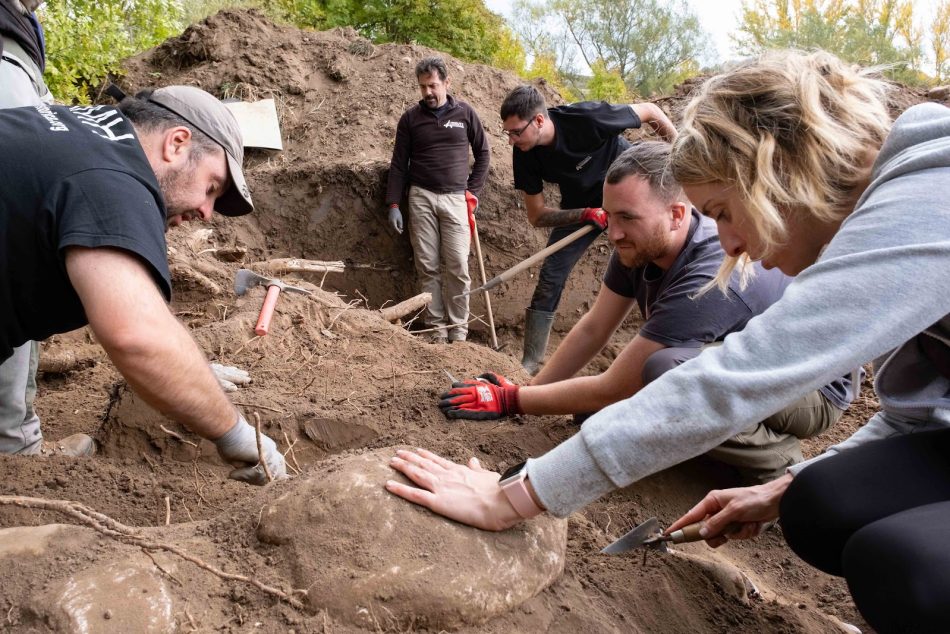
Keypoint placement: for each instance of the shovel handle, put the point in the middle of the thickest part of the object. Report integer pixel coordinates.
(267, 310)
(690, 533)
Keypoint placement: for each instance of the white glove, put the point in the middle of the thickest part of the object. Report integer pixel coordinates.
(229, 376)
(238, 447)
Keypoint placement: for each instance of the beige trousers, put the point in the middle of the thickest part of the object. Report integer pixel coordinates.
(763, 451)
(439, 233)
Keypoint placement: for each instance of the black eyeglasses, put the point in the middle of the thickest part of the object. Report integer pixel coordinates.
(516, 133)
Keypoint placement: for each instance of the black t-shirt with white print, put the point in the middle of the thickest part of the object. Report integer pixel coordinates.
(586, 141)
(69, 177)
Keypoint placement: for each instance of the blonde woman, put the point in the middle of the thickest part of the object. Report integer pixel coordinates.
(796, 159)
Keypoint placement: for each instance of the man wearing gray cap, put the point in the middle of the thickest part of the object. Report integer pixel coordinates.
(88, 193)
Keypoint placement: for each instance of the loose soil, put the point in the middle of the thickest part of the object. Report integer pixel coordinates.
(334, 383)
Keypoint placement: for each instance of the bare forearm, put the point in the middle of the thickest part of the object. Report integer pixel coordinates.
(171, 374)
(574, 396)
(576, 351)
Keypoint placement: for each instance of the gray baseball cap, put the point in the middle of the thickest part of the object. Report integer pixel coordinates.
(212, 117)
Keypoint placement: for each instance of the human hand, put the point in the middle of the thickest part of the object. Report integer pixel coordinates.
(652, 115)
(480, 400)
(465, 493)
(229, 377)
(595, 217)
(238, 447)
(395, 219)
(750, 508)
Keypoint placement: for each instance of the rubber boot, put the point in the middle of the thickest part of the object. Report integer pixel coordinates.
(537, 329)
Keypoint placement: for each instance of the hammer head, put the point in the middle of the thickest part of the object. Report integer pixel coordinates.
(247, 279)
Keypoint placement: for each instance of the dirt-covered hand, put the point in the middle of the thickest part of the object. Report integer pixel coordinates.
(595, 217)
(480, 400)
(238, 447)
(395, 219)
(230, 377)
(465, 493)
(749, 507)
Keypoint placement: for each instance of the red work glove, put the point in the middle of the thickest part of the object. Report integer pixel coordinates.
(595, 216)
(471, 200)
(486, 377)
(481, 400)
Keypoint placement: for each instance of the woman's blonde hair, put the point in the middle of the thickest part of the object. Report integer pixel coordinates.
(789, 130)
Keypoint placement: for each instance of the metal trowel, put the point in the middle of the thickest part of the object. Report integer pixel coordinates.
(649, 535)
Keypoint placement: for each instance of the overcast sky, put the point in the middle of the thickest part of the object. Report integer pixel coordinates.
(720, 18)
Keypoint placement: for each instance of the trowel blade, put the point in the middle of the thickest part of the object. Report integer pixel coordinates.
(636, 538)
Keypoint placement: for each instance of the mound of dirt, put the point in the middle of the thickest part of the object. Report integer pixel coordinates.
(335, 384)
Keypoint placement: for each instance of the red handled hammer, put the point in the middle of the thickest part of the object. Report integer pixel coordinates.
(247, 279)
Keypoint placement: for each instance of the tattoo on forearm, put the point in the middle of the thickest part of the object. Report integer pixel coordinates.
(560, 217)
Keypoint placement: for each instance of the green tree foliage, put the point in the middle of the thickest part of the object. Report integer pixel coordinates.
(940, 41)
(606, 84)
(463, 28)
(87, 39)
(650, 43)
(545, 67)
(870, 32)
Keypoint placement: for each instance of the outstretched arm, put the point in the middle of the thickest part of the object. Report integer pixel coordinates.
(651, 115)
(148, 345)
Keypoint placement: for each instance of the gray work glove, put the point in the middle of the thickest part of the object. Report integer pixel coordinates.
(230, 377)
(395, 219)
(238, 447)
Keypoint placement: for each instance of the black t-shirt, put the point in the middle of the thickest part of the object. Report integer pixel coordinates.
(19, 28)
(69, 177)
(586, 141)
(675, 316)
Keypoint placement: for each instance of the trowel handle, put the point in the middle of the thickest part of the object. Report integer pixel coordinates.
(267, 310)
(690, 533)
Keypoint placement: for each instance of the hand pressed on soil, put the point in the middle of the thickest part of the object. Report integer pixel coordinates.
(465, 493)
(751, 507)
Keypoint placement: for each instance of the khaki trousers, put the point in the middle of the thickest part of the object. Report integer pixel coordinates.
(439, 233)
(762, 452)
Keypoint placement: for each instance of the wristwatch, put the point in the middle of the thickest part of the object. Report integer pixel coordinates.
(514, 484)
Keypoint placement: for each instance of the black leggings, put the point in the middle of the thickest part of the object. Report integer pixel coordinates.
(879, 515)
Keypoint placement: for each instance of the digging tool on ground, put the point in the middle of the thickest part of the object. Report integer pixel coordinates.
(649, 535)
(247, 279)
(481, 270)
(534, 259)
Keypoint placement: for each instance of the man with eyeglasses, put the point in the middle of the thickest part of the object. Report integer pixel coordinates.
(430, 157)
(572, 146)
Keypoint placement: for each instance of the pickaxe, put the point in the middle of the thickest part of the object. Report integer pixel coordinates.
(247, 279)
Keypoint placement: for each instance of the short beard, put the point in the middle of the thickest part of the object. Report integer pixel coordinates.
(654, 248)
(170, 183)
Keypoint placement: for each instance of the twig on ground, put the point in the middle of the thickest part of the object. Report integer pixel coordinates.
(110, 527)
(260, 448)
(270, 409)
(290, 450)
(177, 436)
(168, 511)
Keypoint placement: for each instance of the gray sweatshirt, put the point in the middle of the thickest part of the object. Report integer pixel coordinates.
(881, 283)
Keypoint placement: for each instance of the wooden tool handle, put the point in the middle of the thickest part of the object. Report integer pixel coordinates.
(267, 310)
(690, 533)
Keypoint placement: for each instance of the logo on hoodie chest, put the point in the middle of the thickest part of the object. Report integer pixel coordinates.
(454, 124)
